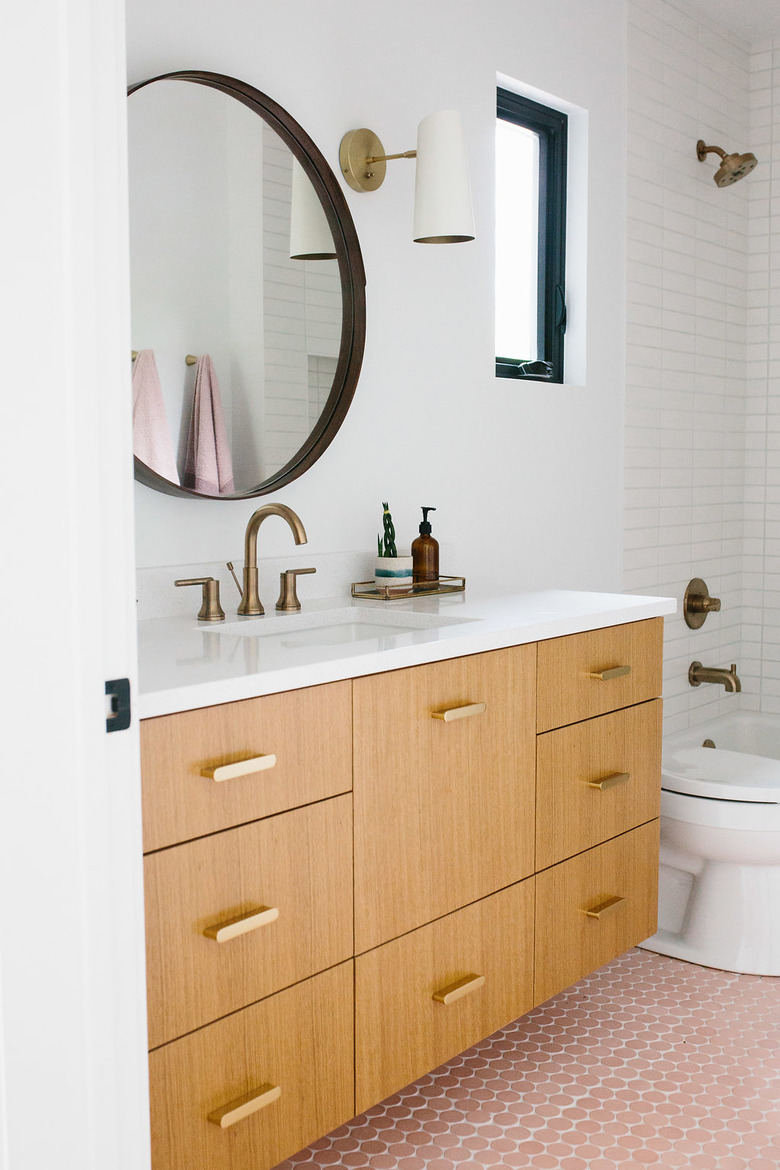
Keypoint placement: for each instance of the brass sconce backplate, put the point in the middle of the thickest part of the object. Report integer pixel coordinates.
(357, 147)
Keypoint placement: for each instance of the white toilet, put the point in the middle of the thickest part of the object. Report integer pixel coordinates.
(719, 881)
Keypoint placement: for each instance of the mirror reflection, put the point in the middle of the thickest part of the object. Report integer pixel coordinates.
(222, 298)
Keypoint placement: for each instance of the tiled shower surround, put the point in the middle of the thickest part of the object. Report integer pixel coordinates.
(686, 335)
(703, 353)
(647, 1062)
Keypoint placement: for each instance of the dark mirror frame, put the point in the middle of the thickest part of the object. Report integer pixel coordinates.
(351, 272)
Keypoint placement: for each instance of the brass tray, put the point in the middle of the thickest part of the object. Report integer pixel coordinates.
(373, 592)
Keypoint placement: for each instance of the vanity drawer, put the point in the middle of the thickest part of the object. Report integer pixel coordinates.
(596, 779)
(569, 942)
(401, 1031)
(298, 1041)
(444, 788)
(307, 731)
(583, 675)
(289, 877)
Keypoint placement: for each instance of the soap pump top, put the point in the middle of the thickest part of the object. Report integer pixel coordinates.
(425, 552)
(425, 527)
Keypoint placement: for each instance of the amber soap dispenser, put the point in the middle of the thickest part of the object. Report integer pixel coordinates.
(425, 553)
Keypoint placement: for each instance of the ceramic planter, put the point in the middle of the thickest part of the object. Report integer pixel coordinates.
(395, 571)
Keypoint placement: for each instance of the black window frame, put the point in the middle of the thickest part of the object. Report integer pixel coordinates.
(552, 128)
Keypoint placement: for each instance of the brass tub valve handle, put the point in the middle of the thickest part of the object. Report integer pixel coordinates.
(210, 610)
(288, 598)
(697, 604)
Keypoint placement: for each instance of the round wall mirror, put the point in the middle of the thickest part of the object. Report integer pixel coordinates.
(247, 290)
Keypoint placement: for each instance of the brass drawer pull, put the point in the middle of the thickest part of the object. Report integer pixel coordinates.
(460, 712)
(612, 672)
(610, 781)
(457, 990)
(604, 908)
(241, 768)
(244, 1106)
(233, 927)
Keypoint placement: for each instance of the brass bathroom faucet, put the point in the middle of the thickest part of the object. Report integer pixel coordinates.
(697, 674)
(250, 602)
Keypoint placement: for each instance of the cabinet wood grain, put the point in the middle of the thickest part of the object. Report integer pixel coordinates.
(622, 751)
(569, 944)
(309, 732)
(569, 685)
(401, 1030)
(444, 810)
(298, 863)
(299, 1040)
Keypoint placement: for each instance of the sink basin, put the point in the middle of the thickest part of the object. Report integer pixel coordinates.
(338, 627)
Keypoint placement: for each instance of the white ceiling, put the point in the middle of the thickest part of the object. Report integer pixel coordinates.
(753, 20)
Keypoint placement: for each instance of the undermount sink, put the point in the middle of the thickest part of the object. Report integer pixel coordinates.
(336, 627)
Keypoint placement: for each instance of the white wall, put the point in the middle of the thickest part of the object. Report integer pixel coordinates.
(686, 337)
(526, 478)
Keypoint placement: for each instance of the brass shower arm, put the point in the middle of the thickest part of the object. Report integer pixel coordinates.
(702, 150)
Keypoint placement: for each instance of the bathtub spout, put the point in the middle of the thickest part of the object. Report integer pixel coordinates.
(697, 674)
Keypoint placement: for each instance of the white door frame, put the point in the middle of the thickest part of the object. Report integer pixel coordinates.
(73, 1091)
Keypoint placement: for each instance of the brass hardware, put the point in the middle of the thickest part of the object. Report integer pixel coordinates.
(603, 909)
(455, 991)
(698, 674)
(703, 150)
(612, 672)
(250, 601)
(709, 743)
(210, 610)
(133, 354)
(244, 1106)
(610, 781)
(733, 166)
(356, 149)
(191, 360)
(241, 768)
(466, 712)
(233, 575)
(370, 591)
(243, 924)
(288, 597)
(697, 604)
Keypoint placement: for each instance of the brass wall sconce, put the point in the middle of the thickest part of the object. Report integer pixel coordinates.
(442, 202)
(733, 167)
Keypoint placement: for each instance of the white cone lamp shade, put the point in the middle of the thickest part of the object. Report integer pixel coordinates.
(310, 234)
(443, 212)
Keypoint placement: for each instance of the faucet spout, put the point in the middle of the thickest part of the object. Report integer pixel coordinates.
(697, 674)
(250, 600)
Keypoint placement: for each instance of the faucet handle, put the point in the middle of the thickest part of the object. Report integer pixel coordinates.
(288, 597)
(697, 604)
(210, 610)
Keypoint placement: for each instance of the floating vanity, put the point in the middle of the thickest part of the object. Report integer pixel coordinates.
(374, 834)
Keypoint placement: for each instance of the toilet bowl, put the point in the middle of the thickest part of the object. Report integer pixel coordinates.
(719, 878)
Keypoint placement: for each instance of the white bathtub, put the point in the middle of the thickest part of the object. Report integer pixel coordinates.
(719, 878)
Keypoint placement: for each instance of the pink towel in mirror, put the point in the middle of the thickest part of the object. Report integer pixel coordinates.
(151, 435)
(208, 467)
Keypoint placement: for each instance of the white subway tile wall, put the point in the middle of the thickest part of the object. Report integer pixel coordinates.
(689, 414)
(761, 576)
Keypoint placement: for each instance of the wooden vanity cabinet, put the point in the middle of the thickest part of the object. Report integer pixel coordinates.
(443, 788)
(504, 834)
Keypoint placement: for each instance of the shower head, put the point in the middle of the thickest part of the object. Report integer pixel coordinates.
(732, 167)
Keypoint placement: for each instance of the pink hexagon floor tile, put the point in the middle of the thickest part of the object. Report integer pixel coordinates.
(647, 1062)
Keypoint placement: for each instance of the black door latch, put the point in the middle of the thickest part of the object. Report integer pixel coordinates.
(119, 717)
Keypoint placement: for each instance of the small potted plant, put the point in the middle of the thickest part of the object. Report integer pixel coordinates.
(390, 569)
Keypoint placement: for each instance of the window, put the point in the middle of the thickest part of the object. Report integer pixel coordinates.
(530, 239)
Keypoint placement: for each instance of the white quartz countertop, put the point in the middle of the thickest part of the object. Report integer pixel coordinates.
(184, 663)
